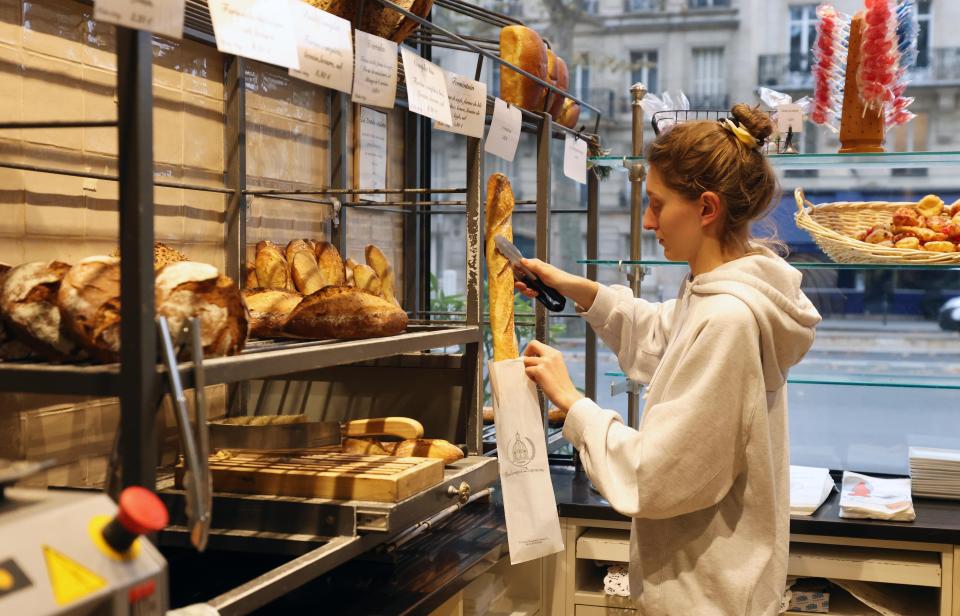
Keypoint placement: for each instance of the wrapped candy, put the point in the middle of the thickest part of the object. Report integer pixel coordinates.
(830, 65)
(880, 62)
(908, 29)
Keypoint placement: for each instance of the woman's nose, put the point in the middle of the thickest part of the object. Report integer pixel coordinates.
(649, 220)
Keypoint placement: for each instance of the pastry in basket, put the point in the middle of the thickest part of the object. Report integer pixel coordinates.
(952, 230)
(940, 246)
(909, 242)
(921, 233)
(938, 223)
(907, 217)
(931, 205)
(955, 208)
(876, 234)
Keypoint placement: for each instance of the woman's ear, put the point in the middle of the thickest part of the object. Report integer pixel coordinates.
(710, 208)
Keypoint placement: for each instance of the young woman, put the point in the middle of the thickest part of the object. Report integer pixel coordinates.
(706, 476)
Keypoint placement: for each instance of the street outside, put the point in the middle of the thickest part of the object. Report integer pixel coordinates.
(844, 427)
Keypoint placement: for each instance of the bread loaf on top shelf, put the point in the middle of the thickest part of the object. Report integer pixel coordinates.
(89, 301)
(559, 77)
(330, 264)
(378, 261)
(345, 313)
(28, 302)
(570, 114)
(378, 19)
(499, 272)
(273, 272)
(303, 267)
(10, 347)
(269, 310)
(523, 48)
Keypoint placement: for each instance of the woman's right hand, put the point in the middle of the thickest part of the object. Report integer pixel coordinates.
(580, 290)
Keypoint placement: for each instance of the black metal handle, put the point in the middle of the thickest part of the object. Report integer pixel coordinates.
(548, 296)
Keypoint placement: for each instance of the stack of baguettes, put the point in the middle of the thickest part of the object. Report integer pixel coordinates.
(523, 47)
(308, 291)
(58, 312)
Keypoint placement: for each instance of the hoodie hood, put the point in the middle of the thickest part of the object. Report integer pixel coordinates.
(770, 287)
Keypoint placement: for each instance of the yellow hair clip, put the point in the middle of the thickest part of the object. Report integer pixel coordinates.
(741, 133)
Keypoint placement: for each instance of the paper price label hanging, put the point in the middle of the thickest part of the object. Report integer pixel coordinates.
(468, 106)
(504, 133)
(426, 87)
(789, 116)
(256, 29)
(575, 159)
(372, 171)
(324, 47)
(158, 16)
(375, 73)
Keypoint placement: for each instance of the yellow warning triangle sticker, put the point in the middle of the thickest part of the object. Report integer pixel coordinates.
(69, 579)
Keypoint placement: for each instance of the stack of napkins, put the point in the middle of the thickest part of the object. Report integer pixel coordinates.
(935, 472)
(862, 496)
(809, 488)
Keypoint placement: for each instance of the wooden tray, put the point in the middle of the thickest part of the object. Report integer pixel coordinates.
(337, 476)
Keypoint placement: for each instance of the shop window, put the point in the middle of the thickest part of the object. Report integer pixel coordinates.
(643, 69)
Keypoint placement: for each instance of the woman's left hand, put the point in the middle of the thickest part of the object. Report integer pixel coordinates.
(544, 365)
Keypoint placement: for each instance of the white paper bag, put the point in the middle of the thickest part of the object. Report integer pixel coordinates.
(533, 525)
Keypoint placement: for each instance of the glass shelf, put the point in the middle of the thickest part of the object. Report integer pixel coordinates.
(899, 160)
(862, 380)
(799, 265)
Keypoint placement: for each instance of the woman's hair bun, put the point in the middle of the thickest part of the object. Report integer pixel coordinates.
(754, 120)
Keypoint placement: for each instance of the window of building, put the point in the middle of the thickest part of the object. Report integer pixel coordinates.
(643, 69)
(709, 79)
(709, 4)
(590, 7)
(803, 32)
(924, 16)
(639, 6)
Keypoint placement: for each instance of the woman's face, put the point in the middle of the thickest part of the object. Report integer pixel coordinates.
(675, 219)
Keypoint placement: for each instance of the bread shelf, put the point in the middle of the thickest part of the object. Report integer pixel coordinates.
(865, 564)
(605, 544)
(898, 160)
(261, 359)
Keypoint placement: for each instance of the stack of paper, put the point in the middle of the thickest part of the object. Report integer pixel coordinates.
(809, 488)
(935, 472)
(862, 496)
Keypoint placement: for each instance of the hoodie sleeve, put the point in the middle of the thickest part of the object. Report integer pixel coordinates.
(635, 329)
(690, 448)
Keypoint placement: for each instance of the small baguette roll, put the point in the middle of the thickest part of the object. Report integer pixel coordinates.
(89, 301)
(366, 279)
(378, 261)
(499, 272)
(269, 310)
(523, 48)
(345, 313)
(330, 264)
(28, 302)
(570, 114)
(363, 447)
(303, 267)
(428, 448)
(272, 269)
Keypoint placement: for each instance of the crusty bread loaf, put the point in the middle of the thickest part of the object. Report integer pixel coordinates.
(348, 266)
(188, 289)
(378, 261)
(420, 8)
(378, 19)
(269, 310)
(499, 272)
(366, 279)
(272, 269)
(10, 348)
(560, 77)
(162, 255)
(363, 447)
(345, 313)
(523, 48)
(250, 278)
(89, 301)
(428, 448)
(28, 302)
(303, 267)
(330, 264)
(570, 114)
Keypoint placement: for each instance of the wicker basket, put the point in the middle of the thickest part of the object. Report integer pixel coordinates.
(834, 225)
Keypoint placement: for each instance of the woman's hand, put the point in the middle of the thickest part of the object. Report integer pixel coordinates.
(580, 290)
(544, 365)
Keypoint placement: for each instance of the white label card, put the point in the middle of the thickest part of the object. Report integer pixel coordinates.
(375, 74)
(324, 46)
(257, 29)
(426, 87)
(504, 133)
(158, 16)
(575, 159)
(789, 116)
(373, 152)
(468, 106)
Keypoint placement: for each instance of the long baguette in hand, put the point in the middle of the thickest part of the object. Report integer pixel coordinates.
(499, 272)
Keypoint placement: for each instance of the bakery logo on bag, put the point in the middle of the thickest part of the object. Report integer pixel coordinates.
(522, 451)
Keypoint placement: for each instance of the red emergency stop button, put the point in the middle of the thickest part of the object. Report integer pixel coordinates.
(141, 512)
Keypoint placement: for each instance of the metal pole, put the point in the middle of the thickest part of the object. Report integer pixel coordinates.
(473, 362)
(544, 143)
(411, 224)
(140, 390)
(339, 118)
(593, 243)
(637, 92)
(235, 176)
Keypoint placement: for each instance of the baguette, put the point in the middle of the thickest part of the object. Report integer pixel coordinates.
(269, 310)
(303, 267)
(363, 447)
(499, 271)
(28, 301)
(330, 264)
(378, 261)
(89, 301)
(272, 269)
(367, 280)
(428, 448)
(345, 313)
(523, 48)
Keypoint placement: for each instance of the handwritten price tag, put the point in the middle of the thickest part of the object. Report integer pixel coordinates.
(504, 133)
(257, 29)
(375, 76)
(426, 87)
(324, 47)
(468, 106)
(158, 16)
(575, 159)
(373, 152)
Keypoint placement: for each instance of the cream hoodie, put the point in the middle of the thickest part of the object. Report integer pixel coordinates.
(706, 476)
